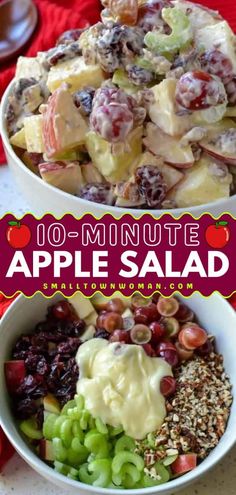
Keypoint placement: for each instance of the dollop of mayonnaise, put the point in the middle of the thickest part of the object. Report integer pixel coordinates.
(121, 385)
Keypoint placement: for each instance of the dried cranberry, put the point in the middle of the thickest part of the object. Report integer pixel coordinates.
(62, 310)
(84, 100)
(139, 76)
(151, 185)
(26, 408)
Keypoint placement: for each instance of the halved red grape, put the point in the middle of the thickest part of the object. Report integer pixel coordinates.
(140, 334)
(120, 336)
(149, 350)
(167, 306)
(116, 305)
(158, 332)
(184, 354)
(137, 301)
(110, 321)
(171, 357)
(146, 314)
(184, 314)
(149, 14)
(168, 386)
(205, 349)
(192, 337)
(165, 346)
(171, 326)
(198, 90)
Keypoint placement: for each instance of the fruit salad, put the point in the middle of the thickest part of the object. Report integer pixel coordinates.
(119, 393)
(137, 111)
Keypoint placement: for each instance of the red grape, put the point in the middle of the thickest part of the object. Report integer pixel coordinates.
(140, 334)
(149, 14)
(192, 336)
(137, 301)
(165, 346)
(217, 64)
(184, 314)
(116, 304)
(205, 349)
(149, 350)
(113, 122)
(124, 11)
(184, 354)
(198, 90)
(168, 386)
(110, 321)
(120, 336)
(167, 307)
(146, 314)
(62, 310)
(158, 332)
(230, 88)
(171, 326)
(171, 357)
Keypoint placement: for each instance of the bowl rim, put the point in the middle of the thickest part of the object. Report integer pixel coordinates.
(40, 466)
(114, 210)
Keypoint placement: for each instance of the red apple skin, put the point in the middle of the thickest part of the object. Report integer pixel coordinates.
(217, 236)
(15, 373)
(184, 463)
(18, 235)
(226, 159)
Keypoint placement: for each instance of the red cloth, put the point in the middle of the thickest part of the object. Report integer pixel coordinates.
(56, 16)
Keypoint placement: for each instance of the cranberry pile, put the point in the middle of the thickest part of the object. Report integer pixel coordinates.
(164, 328)
(44, 361)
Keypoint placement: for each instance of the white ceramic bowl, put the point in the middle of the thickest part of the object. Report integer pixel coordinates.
(44, 198)
(215, 314)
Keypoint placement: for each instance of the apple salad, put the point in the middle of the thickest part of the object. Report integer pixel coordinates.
(136, 111)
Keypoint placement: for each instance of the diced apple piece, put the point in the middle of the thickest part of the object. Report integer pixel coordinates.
(46, 450)
(170, 174)
(169, 147)
(88, 333)
(115, 166)
(82, 306)
(127, 203)
(163, 110)
(200, 185)
(51, 404)
(127, 313)
(90, 173)
(91, 319)
(218, 35)
(15, 372)
(222, 146)
(18, 139)
(64, 128)
(68, 177)
(34, 134)
(29, 67)
(76, 73)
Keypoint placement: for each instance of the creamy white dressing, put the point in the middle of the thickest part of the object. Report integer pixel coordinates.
(121, 385)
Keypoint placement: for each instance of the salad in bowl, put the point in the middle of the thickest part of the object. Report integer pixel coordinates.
(119, 393)
(137, 111)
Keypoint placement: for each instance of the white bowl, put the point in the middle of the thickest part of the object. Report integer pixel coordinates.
(44, 198)
(214, 313)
